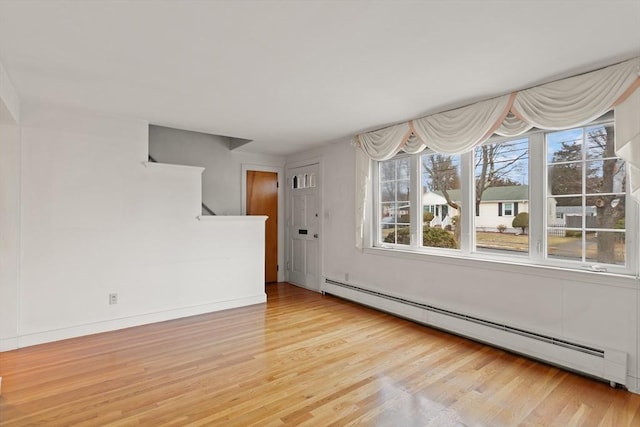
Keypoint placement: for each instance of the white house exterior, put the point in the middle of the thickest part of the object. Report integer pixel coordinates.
(499, 206)
(436, 204)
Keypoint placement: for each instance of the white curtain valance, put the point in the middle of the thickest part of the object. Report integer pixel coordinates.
(575, 101)
(553, 106)
(385, 143)
(461, 129)
(512, 126)
(562, 104)
(414, 145)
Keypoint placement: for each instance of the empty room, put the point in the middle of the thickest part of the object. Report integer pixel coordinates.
(313, 213)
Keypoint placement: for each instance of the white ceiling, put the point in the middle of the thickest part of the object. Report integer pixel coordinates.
(294, 74)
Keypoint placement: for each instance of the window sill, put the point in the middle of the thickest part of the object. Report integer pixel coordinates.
(545, 271)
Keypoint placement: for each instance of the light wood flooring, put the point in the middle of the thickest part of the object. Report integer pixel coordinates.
(302, 359)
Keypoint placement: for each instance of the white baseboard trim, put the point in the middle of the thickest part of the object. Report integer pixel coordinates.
(138, 320)
(9, 343)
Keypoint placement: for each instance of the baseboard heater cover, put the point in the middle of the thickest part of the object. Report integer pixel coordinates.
(608, 364)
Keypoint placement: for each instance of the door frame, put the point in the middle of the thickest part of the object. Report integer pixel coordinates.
(280, 172)
(320, 260)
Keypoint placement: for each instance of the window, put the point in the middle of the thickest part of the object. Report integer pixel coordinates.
(440, 177)
(395, 202)
(586, 183)
(553, 198)
(306, 180)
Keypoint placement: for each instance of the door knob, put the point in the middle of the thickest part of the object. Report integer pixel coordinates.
(315, 235)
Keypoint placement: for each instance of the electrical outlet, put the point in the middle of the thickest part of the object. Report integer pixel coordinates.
(113, 298)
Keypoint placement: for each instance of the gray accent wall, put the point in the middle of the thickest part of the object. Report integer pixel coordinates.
(222, 177)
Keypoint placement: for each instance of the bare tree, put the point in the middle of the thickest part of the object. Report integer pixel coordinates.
(604, 181)
(443, 175)
(610, 208)
(395, 189)
(494, 165)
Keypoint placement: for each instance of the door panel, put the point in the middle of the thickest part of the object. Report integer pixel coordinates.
(262, 199)
(312, 261)
(303, 226)
(299, 210)
(298, 256)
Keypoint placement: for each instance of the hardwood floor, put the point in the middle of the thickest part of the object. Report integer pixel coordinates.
(302, 359)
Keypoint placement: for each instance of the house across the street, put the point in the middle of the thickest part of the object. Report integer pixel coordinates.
(499, 205)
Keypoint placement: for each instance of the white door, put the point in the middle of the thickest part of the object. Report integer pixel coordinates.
(302, 224)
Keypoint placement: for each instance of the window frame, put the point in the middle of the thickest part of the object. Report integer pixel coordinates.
(537, 255)
(376, 223)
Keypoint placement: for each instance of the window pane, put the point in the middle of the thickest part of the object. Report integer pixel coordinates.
(403, 168)
(440, 200)
(403, 190)
(606, 176)
(564, 243)
(394, 199)
(388, 234)
(402, 235)
(565, 178)
(600, 141)
(607, 247)
(387, 170)
(501, 173)
(388, 191)
(564, 212)
(564, 146)
(387, 214)
(605, 212)
(394, 217)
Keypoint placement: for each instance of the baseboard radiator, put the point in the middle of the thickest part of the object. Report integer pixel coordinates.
(604, 363)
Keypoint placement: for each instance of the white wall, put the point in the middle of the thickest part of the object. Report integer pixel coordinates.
(9, 99)
(9, 233)
(221, 180)
(589, 308)
(9, 211)
(96, 221)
